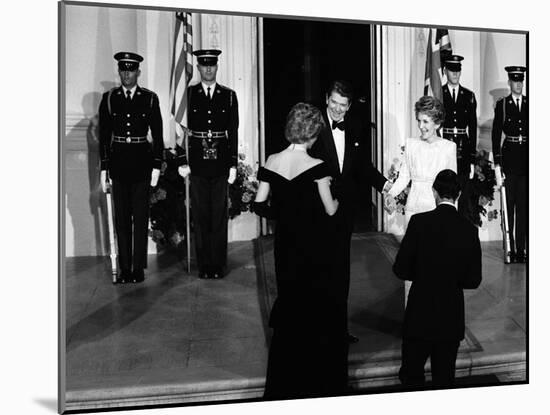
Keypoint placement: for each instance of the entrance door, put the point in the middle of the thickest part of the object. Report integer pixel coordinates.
(300, 60)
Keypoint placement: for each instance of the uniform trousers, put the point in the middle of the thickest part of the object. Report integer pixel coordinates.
(209, 212)
(131, 207)
(415, 353)
(516, 203)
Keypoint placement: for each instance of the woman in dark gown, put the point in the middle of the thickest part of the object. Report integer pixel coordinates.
(308, 351)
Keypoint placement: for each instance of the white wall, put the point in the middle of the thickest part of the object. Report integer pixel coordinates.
(93, 36)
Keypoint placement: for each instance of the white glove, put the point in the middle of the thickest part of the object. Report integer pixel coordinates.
(104, 181)
(387, 187)
(471, 171)
(155, 174)
(232, 175)
(498, 176)
(184, 171)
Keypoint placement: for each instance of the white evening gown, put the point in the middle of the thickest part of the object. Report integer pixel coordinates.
(422, 162)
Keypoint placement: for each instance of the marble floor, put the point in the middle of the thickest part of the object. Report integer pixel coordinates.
(178, 339)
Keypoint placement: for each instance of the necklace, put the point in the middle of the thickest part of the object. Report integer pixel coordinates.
(299, 147)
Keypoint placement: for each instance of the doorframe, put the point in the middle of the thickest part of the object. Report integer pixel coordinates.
(377, 126)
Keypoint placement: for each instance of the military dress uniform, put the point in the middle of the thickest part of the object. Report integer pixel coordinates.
(129, 158)
(460, 126)
(510, 151)
(213, 123)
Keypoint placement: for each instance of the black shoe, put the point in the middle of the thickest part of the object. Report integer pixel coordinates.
(204, 275)
(352, 338)
(217, 275)
(124, 277)
(138, 276)
(521, 258)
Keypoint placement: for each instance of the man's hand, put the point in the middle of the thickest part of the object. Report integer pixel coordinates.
(471, 171)
(104, 181)
(232, 175)
(155, 174)
(184, 171)
(498, 175)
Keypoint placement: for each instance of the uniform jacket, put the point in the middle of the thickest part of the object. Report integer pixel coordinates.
(441, 255)
(130, 162)
(461, 114)
(357, 171)
(221, 113)
(509, 121)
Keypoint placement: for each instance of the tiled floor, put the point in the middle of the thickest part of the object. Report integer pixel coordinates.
(178, 336)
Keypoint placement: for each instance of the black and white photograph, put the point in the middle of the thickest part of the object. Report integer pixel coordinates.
(266, 209)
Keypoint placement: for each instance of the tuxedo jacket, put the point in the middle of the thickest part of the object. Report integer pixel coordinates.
(130, 162)
(357, 173)
(441, 255)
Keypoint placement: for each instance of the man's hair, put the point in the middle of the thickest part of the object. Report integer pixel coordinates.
(432, 107)
(446, 184)
(303, 123)
(341, 87)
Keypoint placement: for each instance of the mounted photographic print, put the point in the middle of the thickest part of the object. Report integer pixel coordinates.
(261, 208)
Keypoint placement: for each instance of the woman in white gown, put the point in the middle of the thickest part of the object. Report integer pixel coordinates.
(424, 158)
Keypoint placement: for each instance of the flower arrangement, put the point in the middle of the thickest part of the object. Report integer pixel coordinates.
(167, 203)
(481, 189)
(393, 174)
(243, 190)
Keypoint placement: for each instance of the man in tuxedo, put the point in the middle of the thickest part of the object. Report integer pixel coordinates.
(126, 115)
(510, 152)
(441, 255)
(342, 144)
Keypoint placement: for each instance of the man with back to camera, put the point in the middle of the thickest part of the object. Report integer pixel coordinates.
(341, 144)
(213, 121)
(126, 114)
(441, 254)
(510, 154)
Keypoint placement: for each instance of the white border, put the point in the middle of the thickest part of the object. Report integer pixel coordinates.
(29, 204)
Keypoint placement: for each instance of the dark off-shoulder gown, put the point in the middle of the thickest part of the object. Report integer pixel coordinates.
(309, 349)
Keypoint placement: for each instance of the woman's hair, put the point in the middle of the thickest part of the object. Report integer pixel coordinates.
(432, 107)
(303, 123)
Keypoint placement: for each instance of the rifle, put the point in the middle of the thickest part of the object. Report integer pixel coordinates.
(112, 235)
(505, 225)
(187, 227)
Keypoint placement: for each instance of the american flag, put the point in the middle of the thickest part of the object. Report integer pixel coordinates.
(182, 69)
(439, 46)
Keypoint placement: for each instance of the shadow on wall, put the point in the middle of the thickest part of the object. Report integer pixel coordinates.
(86, 223)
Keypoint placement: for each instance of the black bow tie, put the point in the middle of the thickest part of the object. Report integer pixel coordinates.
(338, 124)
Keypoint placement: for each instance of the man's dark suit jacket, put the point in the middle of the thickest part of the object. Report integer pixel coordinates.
(357, 172)
(441, 255)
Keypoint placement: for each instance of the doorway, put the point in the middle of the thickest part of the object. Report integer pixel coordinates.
(300, 60)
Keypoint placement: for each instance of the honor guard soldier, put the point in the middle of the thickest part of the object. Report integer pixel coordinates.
(460, 126)
(213, 120)
(510, 136)
(126, 114)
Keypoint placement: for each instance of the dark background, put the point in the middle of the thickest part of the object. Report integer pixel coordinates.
(301, 59)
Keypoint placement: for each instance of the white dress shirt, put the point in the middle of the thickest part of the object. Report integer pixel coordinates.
(132, 91)
(339, 137)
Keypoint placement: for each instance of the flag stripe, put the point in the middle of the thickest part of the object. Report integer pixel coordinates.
(439, 46)
(182, 66)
